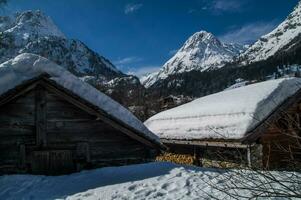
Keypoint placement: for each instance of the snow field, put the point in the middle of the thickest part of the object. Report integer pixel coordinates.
(158, 180)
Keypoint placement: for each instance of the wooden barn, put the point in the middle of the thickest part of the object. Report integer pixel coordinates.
(256, 126)
(53, 123)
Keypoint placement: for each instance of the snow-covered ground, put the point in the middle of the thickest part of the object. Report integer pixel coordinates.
(145, 181)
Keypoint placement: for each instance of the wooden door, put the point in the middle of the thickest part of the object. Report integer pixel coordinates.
(52, 162)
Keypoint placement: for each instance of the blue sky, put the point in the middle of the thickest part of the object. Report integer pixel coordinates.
(140, 36)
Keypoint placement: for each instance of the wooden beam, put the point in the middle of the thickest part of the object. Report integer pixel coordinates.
(249, 156)
(196, 156)
(229, 144)
(83, 151)
(22, 156)
(41, 121)
(21, 89)
(13, 96)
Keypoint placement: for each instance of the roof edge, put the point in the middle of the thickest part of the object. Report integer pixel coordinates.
(46, 78)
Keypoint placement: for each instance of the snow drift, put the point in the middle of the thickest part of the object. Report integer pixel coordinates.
(144, 181)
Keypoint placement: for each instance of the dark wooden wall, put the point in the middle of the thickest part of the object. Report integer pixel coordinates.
(282, 141)
(42, 133)
(17, 127)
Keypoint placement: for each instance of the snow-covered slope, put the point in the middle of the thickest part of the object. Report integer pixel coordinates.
(279, 39)
(34, 32)
(202, 51)
(229, 114)
(27, 66)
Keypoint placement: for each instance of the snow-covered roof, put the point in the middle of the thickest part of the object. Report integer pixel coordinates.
(28, 66)
(229, 114)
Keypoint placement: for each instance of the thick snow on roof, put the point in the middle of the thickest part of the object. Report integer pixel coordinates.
(225, 115)
(27, 66)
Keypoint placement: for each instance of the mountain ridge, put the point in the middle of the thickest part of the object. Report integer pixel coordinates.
(281, 62)
(34, 32)
(275, 41)
(202, 51)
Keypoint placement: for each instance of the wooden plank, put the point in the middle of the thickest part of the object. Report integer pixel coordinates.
(118, 153)
(52, 162)
(22, 163)
(89, 134)
(41, 121)
(12, 107)
(40, 162)
(77, 126)
(9, 155)
(196, 156)
(83, 151)
(121, 141)
(17, 119)
(21, 121)
(13, 96)
(60, 162)
(118, 161)
(110, 147)
(14, 130)
(54, 146)
(63, 114)
(102, 116)
(18, 113)
(26, 99)
(249, 157)
(58, 138)
(70, 99)
(62, 109)
(13, 140)
(7, 168)
(230, 144)
(70, 141)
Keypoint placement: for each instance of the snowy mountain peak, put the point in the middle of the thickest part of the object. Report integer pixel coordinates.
(281, 38)
(199, 39)
(34, 32)
(31, 23)
(202, 51)
(201, 36)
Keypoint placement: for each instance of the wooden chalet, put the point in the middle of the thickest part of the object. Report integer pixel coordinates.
(258, 126)
(53, 123)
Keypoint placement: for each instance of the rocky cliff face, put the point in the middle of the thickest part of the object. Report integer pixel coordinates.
(282, 38)
(34, 32)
